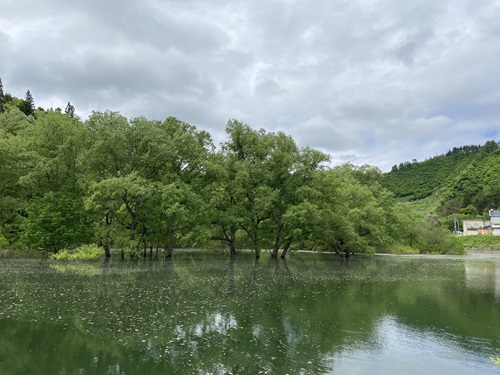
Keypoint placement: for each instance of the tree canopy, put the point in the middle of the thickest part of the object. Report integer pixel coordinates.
(145, 186)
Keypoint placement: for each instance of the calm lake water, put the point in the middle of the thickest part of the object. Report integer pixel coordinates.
(209, 314)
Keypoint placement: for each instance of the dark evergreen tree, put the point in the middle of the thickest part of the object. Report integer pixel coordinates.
(28, 105)
(70, 110)
(2, 101)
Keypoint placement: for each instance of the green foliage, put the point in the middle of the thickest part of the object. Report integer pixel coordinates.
(2, 100)
(496, 361)
(70, 110)
(3, 241)
(140, 185)
(489, 242)
(419, 180)
(435, 238)
(453, 245)
(28, 105)
(55, 221)
(84, 252)
(466, 179)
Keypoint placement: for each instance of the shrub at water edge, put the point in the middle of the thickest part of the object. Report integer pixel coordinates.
(85, 252)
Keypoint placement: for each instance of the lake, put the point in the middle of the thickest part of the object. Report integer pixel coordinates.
(206, 313)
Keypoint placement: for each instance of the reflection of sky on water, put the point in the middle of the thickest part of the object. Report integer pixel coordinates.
(215, 322)
(396, 348)
(497, 283)
(368, 316)
(483, 276)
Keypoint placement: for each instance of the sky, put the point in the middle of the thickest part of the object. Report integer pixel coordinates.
(367, 81)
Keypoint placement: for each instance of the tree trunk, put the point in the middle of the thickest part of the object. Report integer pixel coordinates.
(107, 251)
(285, 264)
(277, 241)
(232, 248)
(286, 248)
(232, 240)
(168, 251)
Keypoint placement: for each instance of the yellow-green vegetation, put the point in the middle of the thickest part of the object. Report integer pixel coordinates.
(496, 361)
(447, 246)
(427, 205)
(490, 242)
(3, 241)
(78, 268)
(85, 252)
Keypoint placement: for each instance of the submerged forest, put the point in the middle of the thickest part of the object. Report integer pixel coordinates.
(145, 187)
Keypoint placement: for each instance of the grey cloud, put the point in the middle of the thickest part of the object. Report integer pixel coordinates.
(370, 82)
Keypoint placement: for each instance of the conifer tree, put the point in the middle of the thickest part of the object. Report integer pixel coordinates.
(2, 107)
(28, 106)
(70, 110)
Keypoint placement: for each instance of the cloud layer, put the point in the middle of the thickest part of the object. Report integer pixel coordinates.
(377, 82)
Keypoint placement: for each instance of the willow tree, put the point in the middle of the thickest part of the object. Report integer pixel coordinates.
(292, 171)
(242, 197)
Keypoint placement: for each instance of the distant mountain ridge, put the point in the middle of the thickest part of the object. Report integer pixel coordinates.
(466, 178)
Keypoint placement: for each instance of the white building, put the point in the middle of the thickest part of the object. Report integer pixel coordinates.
(476, 227)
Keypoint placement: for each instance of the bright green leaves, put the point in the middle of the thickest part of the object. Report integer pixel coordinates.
(41, 191)
(142, 184)
(56, 221)
(119, 205)
(149, 176)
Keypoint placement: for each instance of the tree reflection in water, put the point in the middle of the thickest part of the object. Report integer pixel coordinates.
(202, 313)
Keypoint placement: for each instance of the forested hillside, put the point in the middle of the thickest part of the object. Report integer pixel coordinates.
(147, 186)
(466, 179)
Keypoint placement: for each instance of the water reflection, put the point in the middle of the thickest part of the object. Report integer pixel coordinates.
(483, 276)
(200, 314)
(418, 351)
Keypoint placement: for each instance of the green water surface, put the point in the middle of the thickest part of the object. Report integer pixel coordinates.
(211, 314)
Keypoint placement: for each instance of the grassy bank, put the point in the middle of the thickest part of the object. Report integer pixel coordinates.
(487, 242)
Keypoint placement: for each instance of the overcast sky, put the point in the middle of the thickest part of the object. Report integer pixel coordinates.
(376, 82)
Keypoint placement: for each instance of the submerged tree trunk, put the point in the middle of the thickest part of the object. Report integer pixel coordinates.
(169, 242)
(232, 240)
(277, 241)
(107, 251)
(232, 249)
(286, 248)
(169, 250)
(285, 264)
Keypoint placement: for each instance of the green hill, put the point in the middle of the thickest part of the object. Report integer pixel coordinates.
(465, 180)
